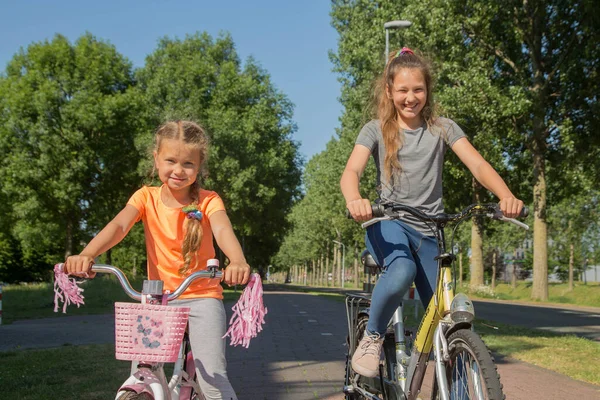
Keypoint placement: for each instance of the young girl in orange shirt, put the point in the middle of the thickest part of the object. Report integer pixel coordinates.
(180, 220)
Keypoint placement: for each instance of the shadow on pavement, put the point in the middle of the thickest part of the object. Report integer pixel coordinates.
(300, 354)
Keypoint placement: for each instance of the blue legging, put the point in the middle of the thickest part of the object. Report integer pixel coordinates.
(406, 255)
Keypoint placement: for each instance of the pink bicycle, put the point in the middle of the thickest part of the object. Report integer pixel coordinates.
(151, 333)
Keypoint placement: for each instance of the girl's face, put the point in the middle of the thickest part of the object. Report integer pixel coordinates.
(409, 94)
(177, 164)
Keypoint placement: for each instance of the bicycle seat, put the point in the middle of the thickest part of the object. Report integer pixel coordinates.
(369, 263)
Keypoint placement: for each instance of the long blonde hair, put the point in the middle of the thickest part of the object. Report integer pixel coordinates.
(386, 112)
(195, 137)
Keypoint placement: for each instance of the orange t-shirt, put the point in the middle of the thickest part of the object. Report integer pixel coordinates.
(163, 229)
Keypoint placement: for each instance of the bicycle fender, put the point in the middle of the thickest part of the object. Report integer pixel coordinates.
(456, 327)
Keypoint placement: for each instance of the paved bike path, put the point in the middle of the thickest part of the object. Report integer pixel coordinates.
(299, 355)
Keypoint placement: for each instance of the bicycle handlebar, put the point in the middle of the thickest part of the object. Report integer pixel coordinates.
(135, 295)
(386, 211)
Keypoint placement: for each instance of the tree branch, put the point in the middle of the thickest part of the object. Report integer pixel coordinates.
(498, 53)
(562, 57)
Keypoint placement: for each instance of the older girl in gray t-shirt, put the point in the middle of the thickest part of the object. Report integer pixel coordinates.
(408, 142)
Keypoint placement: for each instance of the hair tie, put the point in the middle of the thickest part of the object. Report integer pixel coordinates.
(405, 50)
(192, 212)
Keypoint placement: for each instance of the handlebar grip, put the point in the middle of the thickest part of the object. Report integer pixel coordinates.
(524, 212)
(378, 210)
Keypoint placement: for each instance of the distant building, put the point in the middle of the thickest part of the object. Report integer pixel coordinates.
(591, 274)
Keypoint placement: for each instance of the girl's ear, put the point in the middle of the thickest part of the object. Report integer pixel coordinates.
(155, 154)
(387, 91)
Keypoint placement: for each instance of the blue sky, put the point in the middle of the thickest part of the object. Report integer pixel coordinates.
(290, 39)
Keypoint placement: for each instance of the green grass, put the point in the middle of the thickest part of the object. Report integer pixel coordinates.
(70, 372)
(37, 300)
(558, 293)
(566, 354)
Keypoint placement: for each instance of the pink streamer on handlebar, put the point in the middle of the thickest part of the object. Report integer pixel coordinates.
(248, 314)
(66, 289)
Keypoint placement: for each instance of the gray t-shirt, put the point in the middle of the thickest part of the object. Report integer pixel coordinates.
(421, 158)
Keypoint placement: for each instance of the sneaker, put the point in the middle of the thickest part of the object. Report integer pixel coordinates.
(365, 360)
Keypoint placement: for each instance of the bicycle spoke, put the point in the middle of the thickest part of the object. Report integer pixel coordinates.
(477, 384)
(466, 379)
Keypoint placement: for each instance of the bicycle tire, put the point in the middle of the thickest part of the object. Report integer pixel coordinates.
(469, 355)
(130, 395)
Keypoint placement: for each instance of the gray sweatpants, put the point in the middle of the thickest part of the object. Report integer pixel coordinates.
(207, 323)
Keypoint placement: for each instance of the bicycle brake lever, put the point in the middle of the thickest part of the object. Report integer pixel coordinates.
(498, 215)
(514, 221)
(374, 221)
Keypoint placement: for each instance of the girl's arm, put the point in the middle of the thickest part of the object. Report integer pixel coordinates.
(488, 177)
(108, 237)
(359, 208)
(238, 270)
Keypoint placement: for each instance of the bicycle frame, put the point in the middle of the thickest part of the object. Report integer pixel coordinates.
(149, 377)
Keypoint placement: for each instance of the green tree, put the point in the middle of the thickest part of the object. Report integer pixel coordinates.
(68, 161)
(254, 163)
(546, 52)
(573, 220)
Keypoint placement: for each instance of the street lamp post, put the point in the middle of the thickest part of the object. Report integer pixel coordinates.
(343, 261)
(392, 25)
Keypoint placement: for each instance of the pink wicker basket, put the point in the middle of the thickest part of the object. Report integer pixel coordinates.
(150, 333)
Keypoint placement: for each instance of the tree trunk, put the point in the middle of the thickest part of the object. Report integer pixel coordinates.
(69, 238)
(338, 266)
(494, 266)
(476, 242)
(356, 277)
(327, 265)
(540, 230)
(514, 271)
(323, 272)
(305, 273)
(334, 267)
(571, 262)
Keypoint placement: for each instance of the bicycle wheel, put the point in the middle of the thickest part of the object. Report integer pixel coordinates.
(471, 372)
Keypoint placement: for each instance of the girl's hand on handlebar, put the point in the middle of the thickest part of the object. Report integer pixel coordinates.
(511, 207)
(360, 209)
(237, 273)
(80, 265)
